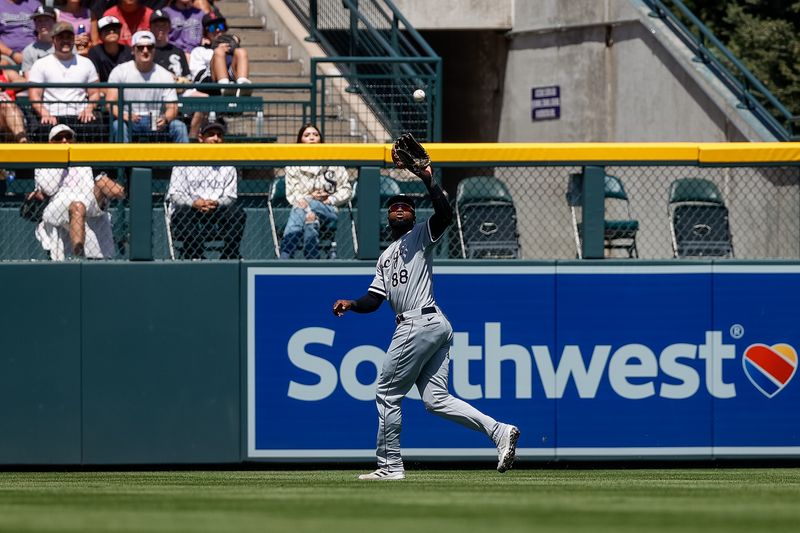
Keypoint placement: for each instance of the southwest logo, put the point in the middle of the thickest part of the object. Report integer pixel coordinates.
(769, 368)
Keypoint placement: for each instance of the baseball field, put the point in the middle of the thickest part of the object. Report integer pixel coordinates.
(329, 501)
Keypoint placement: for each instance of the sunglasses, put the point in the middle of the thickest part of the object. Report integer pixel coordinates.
(63, 136)
(400, 206)
(216, 26)
(143, 47)
(110, 29)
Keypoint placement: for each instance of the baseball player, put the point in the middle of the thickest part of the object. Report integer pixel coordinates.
(419, 353)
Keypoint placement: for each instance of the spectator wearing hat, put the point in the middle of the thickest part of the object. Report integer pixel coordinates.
(43, 20)
(71, 105)
(77, 13)
(144, 103)
(75, 221)
(134, 16)
(111, 53)
(222, 60)
(168, 55)
(16, 28)
(203, 206)
(186, 25)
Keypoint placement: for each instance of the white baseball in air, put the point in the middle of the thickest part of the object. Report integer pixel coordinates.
(419, 95)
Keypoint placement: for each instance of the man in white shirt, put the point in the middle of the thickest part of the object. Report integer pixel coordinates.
(145, 110)
(202, 204)
(74, 106)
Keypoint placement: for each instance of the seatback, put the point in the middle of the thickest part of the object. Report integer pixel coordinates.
(487, 219)
(699, 219)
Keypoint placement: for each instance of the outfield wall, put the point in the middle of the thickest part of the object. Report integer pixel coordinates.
(224, 362)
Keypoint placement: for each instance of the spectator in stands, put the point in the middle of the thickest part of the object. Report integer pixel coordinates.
(58, 104)
(111, 53)
(16, 28)
(11, 119)
(187, 25)
(134, 16)
(168, 55)
(75, 214)
(43, 20)
(222, 59)
(315, 193)
(150, 101)
(77, 13)
(203, 204)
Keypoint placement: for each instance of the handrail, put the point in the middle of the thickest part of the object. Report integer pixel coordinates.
(743, 83)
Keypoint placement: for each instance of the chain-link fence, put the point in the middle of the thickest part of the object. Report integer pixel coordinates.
(502, 212)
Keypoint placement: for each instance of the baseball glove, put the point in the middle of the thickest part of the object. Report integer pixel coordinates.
(408, 153)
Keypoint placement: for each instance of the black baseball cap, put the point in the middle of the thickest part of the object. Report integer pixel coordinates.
(44, 11)
(401, 199)
(211, 126)
(158, 15)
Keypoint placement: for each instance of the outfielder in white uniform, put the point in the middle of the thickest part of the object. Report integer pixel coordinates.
(419, 353)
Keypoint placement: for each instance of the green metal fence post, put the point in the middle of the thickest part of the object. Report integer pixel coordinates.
(593, 198)
(313, 21)
(141, 213)
(368, 205)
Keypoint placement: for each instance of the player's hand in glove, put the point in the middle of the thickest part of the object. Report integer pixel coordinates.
(409, 154)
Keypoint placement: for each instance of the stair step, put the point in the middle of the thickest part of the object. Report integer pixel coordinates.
(251, 38)
(244, 23)
(260, 52)
(283, 68)
(231, 8)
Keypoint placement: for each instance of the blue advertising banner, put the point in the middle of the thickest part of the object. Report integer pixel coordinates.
(589, 361)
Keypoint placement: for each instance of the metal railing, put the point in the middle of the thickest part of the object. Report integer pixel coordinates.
(378, 43)
(752, 94)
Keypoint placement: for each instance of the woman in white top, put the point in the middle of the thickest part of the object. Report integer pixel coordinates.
(315, 193)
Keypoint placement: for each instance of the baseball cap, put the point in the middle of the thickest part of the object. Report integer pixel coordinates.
(142, 38)
(158, 14)
(401, 199)
(45, 11)
(105, 22)
(60, 128)
(211, 18)
(219, 126)
(61, 27)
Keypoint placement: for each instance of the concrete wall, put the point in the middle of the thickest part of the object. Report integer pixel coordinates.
(458, 14)
(623, 77)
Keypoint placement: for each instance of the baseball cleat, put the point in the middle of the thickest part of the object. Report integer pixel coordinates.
(507, 448)
(383, 474)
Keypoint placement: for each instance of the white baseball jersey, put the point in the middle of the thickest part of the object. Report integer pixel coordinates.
(405, 269)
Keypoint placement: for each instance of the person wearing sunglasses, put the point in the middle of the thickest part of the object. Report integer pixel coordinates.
(220, 59)
(75, 222)
(419, 353)
(149, 109)
(134, 17)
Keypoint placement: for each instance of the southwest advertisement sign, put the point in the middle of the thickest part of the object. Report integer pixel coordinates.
(588, 361)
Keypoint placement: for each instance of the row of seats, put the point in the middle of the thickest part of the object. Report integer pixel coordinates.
(698, 218)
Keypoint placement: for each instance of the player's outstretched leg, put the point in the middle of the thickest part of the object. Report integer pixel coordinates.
(507, 447)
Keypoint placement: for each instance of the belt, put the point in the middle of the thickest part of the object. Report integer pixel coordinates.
(414, 313)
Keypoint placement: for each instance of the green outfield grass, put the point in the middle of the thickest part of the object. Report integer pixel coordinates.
(445, 501)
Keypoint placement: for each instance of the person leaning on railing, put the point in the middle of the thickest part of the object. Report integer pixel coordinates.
(70, 105)
(75, 213)
(11, 120)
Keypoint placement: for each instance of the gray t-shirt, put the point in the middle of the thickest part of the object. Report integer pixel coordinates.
(404, 273)
(34, 51)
